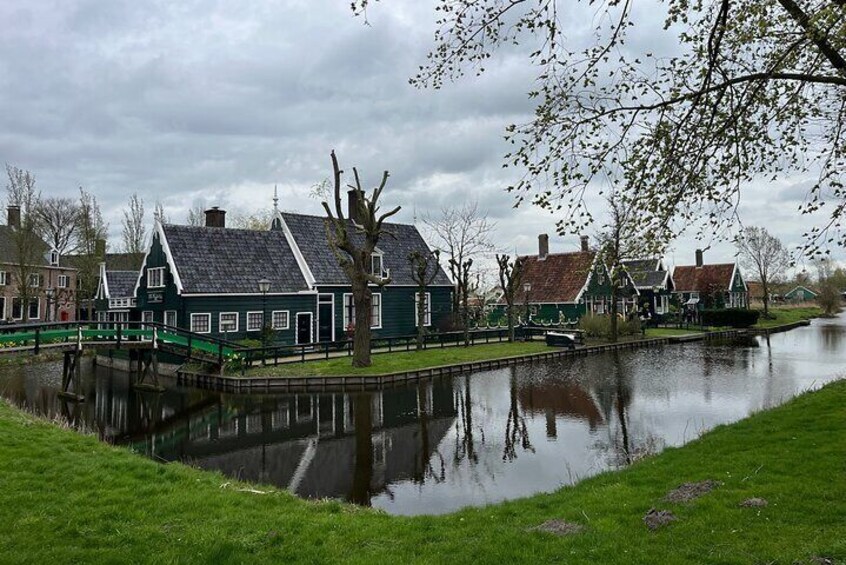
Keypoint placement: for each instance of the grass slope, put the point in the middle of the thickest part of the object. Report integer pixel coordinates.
(68, 498)
(788, 315)
(402, 361)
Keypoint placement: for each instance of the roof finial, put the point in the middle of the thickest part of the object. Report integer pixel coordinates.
(275, 199)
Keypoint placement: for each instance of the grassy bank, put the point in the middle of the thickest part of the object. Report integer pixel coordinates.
(786, 315)
(68, 498)
(403, 360)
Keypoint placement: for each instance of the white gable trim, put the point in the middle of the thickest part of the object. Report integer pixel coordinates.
(103, 287)
(168, 255)
(731, 282)
(589, 276)
(298, 255)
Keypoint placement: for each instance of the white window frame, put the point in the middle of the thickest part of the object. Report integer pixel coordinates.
(251, 328)
(2, 307)
(160, 272)
(381, 258)
(169, 313)
(287, 319)
(349, 310)
(38, 311)
(428, 321)
(63, 281)
(374, 311)
(310, 327)
(4, 278)
(197, 315)
(54, 258)
(152, 318)
(37, 278)
(220, 322)
(12, 311)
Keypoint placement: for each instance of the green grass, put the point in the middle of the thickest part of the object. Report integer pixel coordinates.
(670, 332)
(781, 316)
(384, 363)
(68, 498)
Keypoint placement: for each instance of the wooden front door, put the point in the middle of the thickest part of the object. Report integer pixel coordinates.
(325, 317)
(303, 327)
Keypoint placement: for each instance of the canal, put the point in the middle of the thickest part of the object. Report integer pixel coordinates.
(443, 444)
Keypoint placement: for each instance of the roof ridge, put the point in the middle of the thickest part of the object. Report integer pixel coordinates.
(284, 213)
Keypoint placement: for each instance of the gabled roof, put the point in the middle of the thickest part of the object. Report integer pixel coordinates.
(558, 278)
(121, 284)
(801, 287)
(690, 278)
(648, 273)
(230, 261)
(9, 253)
(310, 237)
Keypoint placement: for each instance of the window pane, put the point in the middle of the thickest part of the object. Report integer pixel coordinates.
(229, 322)
(255, 320)
(280, 320)
(376, 312)
(201, 323)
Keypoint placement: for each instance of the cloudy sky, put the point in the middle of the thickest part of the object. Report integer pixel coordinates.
(213, 102)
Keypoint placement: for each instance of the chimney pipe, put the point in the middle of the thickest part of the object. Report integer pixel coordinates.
(699, 261)
(14, 216)
(543, 246)
(585, 248)
(215, 217)
(100, 248)
(353, 206)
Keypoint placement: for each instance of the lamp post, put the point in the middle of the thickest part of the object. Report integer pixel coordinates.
(527, 288)
(51, 293)
(264, 287)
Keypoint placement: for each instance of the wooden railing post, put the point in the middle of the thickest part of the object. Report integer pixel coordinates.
(37, 341)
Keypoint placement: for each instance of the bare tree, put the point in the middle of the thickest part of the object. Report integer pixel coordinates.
(510, 279)
(258, 221)
(58, 222)
(424, 270)
(461, 275)
(764, 255)
(461, 234)
(134, 230)
(91, 232)
(159, 213)
(750, 88)
(353, 241)
(28, 246)
(196, 215)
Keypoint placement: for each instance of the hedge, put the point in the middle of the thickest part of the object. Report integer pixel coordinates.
(733, 317)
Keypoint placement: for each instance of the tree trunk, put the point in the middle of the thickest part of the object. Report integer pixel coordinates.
(363, 301)
(765, 298)
(421, 317)
(510, 315)
(613, 337)
(465, 315)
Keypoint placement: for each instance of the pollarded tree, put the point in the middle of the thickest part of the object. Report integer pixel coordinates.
(424, 269)
(764, 255)
(743, 89)
(353, 240)
(510, 279)
(461, 275)
(27, 246)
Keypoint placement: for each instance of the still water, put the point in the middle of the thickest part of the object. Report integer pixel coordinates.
(443, 444)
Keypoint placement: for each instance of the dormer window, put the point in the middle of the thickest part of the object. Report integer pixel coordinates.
(54, 258)
(155, 277)
(376, 266)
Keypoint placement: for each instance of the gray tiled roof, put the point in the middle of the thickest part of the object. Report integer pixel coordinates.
(8, 251)
(645, 273)
(310, 235)
(121, 283)
(232, 261)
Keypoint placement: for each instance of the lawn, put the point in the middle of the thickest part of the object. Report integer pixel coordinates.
(384, 363)
(670, 332)
(67, 498)
(787, 315)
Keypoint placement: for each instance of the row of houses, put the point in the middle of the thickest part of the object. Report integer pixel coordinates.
(566, 286)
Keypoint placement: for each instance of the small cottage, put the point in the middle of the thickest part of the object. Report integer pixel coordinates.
(800, 294)
(115, 297)
(717, 285)
(226, 282)
(653, 283)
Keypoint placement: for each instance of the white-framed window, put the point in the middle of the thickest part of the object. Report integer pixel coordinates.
(694, 294)
(281, 319)
(17, 310)
(661, 304)
(34, 309)
(427, 297)
(4, 278)
(170, 318)
(155, 277)
(2, 307)
(376, 266)
(147, 316)
(54, 258)
(228, 322)
(63, 281)
(201, 323)
(35, 280)
(255, 321)
(375, 312)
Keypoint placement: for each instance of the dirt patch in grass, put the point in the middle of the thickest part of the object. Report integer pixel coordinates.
(655, 519)
(754, 503)
(691, 491)
(559, 528)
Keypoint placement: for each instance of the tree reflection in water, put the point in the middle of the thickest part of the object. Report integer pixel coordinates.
(424, 469)
(363, 468)
(465, 447)
(516, 432)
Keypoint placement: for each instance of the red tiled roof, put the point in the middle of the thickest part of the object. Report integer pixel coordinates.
(556, 279)
(756, 289)
(692, 278)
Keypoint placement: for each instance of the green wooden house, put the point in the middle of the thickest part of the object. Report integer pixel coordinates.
(800, 294)
(715, 285)
(654, 284)
(563, 287)
(206, 279)
(114, 300)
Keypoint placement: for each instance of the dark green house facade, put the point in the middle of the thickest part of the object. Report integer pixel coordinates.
(207, 280)
(714, 285)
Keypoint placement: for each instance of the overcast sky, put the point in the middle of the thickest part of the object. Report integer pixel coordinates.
(214, 102)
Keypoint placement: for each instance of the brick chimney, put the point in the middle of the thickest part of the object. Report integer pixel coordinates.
(543, 246)
(352, 206)
(215, 217)
(699, 261)
(14, 216)
(585, 247)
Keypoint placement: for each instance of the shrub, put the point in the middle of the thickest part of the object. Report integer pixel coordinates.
(829, 299)
(732, 317)
(600, 326)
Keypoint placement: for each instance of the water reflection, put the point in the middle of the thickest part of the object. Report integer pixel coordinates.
(443, 444)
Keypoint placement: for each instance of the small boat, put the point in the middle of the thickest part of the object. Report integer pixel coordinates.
(559, 339)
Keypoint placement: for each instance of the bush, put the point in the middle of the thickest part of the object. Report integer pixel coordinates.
(600, 326)
(732, 317)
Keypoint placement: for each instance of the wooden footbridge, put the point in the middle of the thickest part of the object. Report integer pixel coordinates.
(144, 341)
